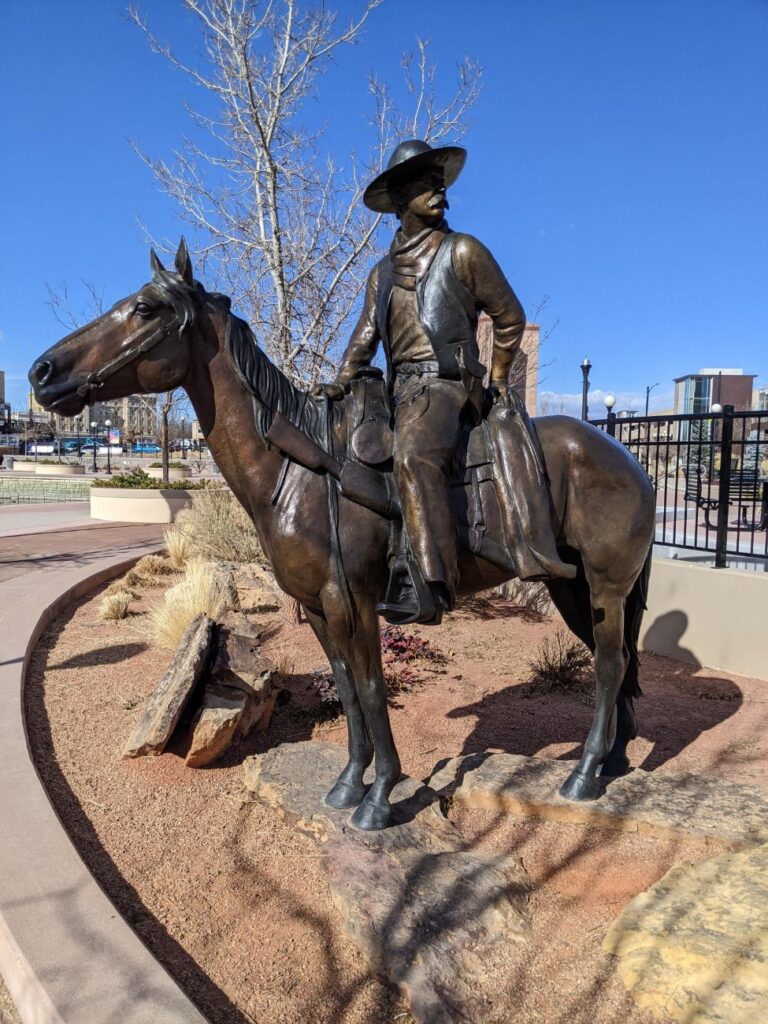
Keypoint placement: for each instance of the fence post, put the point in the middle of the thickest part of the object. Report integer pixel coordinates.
(724, 489)
(611, 425)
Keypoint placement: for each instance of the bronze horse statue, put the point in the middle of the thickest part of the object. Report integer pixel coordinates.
(172, 333)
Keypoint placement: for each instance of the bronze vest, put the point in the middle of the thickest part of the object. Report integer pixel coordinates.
(447, 312)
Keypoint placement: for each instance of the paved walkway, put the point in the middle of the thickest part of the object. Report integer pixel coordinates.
(66, 956)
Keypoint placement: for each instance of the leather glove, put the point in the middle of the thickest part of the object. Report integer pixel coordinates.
(332, 391)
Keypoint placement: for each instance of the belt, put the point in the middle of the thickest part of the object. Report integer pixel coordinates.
(418, 369)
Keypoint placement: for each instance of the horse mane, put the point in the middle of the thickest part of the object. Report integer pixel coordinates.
(271, 390)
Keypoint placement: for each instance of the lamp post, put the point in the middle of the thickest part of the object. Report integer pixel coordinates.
(586, 366)
(183, 438)
(77, 428)
(108, 424)
(648, 391)
(93, 438)
(610, 401)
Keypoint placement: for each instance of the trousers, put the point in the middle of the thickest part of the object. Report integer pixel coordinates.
(427, 430)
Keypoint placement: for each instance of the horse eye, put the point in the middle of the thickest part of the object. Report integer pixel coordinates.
(144, 310)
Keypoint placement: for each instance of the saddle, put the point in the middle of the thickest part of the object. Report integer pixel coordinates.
(357, 453)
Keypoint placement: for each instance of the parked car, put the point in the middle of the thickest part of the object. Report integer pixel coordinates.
(146, 448)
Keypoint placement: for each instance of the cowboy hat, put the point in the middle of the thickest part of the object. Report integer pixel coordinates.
(408, 160)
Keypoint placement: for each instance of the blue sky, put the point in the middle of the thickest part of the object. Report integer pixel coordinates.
(618, 164)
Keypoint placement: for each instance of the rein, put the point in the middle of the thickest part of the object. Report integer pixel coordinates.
(99, 378)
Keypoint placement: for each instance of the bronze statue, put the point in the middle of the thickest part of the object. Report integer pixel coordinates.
(326, 513)
(422, 301)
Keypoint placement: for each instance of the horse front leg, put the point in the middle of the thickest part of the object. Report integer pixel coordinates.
(610, 665)
(362, 652)
(349, 789)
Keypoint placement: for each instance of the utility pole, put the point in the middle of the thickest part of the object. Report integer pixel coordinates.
(586, 366)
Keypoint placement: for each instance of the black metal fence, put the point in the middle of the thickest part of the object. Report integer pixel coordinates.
(711, 478)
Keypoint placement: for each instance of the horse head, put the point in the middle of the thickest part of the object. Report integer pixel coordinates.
(136, 347)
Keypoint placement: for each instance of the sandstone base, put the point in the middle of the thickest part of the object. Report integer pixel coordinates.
(427, 913)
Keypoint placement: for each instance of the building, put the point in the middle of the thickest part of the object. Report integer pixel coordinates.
(761, 399)
(525, 373)
(134, 416)
(698, 392)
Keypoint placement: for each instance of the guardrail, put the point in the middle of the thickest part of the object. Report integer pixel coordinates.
(710, 472)
(36, 490)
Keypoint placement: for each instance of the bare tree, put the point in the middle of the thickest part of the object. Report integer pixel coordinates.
(279, 221)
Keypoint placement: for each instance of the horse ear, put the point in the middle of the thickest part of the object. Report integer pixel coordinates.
(154, 262)
(184, 263)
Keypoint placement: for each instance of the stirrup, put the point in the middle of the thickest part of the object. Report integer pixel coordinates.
(409, 599)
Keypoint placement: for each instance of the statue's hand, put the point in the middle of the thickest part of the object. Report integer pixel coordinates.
(332, 391)
(499, 391)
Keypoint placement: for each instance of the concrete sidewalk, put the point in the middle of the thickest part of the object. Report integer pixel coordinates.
(16, 520)
(65, 953)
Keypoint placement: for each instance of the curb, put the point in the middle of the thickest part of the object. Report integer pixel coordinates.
(66, 954)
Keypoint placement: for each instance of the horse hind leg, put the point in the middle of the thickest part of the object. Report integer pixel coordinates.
(349, 789)
(611, 661)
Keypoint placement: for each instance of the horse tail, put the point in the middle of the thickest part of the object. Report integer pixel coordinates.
(636, 604)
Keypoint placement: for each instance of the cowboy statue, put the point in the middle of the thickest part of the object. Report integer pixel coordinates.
(422, 302)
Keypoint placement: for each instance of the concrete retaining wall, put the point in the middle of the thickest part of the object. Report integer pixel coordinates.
(173, 474)
(65, 469)
(126, 505)
(705, 616)
(24, 467)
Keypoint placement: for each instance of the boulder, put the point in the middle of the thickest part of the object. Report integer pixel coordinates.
(166, 704)
(239, 696)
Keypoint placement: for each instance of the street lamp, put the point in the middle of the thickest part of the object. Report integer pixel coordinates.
(586, 366)
(609, 401)
(716, 408)
(77, 428)
(183, 438)
(93, 438)
(648, 391)
(108, 424)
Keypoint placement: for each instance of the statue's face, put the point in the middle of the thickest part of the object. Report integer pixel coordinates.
(423, 196)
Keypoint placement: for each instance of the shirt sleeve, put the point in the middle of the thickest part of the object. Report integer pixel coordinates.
(480, 272)
(365, 337)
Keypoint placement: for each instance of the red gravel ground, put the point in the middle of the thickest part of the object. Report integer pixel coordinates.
(234, 900)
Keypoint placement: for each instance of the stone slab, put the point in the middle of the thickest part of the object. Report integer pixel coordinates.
(167, 702)
(427, 913)
(694, 947)
(661, 804)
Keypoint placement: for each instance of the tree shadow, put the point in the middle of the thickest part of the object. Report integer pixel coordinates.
(109, 655)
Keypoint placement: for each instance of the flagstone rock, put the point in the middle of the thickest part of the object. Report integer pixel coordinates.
(661, 804)
(694, 947)
(427, 912)
(216, 725)
(166, 704)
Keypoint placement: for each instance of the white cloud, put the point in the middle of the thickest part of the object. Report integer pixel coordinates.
(569, 403)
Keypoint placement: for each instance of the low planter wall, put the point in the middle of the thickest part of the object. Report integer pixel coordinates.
(173, 474)
(63, 469)
(128, 505)
(706, 616)
(24, 467)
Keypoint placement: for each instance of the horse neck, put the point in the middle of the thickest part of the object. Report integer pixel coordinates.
(226, 417)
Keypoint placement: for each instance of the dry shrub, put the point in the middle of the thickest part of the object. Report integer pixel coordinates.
(532, 596)
(177, 546)
(120, 587)
(116, 605)
(153, 565)
(200, 590)
(217, 527)
(134, 581)
(561, 664)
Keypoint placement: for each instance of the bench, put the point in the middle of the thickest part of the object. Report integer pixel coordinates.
(746, 490)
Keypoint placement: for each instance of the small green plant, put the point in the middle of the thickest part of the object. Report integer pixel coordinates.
(139, 480)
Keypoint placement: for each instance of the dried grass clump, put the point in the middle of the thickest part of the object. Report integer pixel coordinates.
(177, 546)
(116, 605)
(199, 591)
(561, 664)
(120, 587)
(151, 566)
(217, 527)
(532, 596)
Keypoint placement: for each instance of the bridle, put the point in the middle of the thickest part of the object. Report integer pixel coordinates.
(97, 379)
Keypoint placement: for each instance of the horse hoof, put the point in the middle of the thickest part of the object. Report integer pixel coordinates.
(615, 767)
(580, 787)
(371, 817)
(343, 795)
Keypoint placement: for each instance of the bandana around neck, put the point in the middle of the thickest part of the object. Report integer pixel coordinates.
(411, 257)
